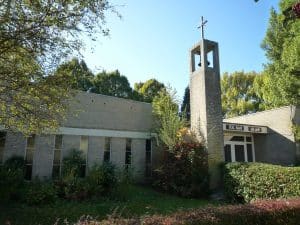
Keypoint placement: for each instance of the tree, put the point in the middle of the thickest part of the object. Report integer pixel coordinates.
(149, 89)
(238, 94)
(186, 106)
(281, 79)
(80, 74)
(113, 84)
(168, 121)
(34, 37)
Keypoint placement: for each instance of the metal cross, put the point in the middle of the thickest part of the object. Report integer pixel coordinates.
(203, 22)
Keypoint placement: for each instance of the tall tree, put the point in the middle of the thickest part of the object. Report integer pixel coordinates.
(185, 106)
(80, 75)
(238, 94)
(149, 89)
(113, 84)
(281, 80)
(34, 37)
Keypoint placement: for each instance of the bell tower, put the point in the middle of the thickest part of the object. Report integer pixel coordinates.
(205, 101)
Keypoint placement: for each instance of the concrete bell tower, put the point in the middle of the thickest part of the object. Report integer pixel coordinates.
(205, 101)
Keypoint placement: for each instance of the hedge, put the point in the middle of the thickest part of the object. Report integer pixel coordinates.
(251, 181)
(258, 213)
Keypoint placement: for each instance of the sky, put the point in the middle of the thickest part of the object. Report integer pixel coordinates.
(153, 38)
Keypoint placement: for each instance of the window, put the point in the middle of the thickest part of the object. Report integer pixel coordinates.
(249, 153)
(148, 158)
(84, 146)
(57, 156)
(227, 150)
(107, 146)
(29, 156)
(2, 145)
(128, 153)
(239, 153)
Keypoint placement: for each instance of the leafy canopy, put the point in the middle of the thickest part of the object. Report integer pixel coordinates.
(149, 89)
(34, 37)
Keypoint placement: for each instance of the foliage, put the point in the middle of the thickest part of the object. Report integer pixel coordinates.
(102, 179)
(186, 106)
(11, 178)
(168, 122)
(149, 89)
(296, 131)
(80, 75)
(40, 193)
(140, 201)
(259, 213)
(184, 170)
(281, 79)
(34, 37)
(251, 181)
(72, 164)
(239, 95)
(113, 84)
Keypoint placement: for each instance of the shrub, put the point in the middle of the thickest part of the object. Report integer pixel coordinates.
(184, 170)
(73, 164)
(11, 179)
(250, 181)
(258, 213)
(39, 193)
(101, 179)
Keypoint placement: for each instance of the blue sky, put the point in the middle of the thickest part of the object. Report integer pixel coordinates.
(153, 38)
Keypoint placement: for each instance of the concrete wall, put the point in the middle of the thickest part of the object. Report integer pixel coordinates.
(15, 144)
(278, 146)
(97, 111)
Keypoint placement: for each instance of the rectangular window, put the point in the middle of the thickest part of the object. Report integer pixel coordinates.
(239, 153)
(249, 153)
(57, 156)
(2, 145)
(227, 153)
(128, 153)
(107, 146)
(148, 171)
(30, 148)
(84, 146)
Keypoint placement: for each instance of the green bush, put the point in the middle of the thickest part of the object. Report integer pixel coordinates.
(184, 170)
(39, 193)
(12, 179)
(101, 179)
(73, 164)
(250, 181)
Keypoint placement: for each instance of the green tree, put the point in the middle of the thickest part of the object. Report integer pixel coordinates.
(238, 94)
(149, 89)
(280, 84)
(113, 84)
(80, 74)
(168, 121)
(34, 37)
(186, 106)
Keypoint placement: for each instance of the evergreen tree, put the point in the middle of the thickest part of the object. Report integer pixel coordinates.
(185, 106)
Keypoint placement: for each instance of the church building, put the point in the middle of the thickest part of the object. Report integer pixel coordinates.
(118, 130)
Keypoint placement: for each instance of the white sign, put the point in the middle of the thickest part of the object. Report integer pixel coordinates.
(244, 128)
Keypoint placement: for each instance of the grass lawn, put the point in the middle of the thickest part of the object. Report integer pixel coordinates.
(139, 201)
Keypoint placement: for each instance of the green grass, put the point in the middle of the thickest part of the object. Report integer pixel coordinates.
(139, 201)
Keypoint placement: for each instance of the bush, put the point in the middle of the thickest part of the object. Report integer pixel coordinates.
(12, 179)
(250, 181)
(39, 193)
(184, 170)
(101, 179)
(258, 213)
(73, 164)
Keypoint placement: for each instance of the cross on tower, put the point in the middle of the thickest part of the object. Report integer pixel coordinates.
(203, 22)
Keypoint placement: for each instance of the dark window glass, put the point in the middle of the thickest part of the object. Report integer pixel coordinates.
(128, 152)
(106, 156)
(227, 151)
(239, 153)
(30, 141)
(248, 139)
(148, 158)
(58, 141)
(28, 172)
(82, 170)
(237, 138)
(249, 153)
(56, 159)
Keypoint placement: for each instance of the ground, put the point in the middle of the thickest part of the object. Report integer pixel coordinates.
(139, 201)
